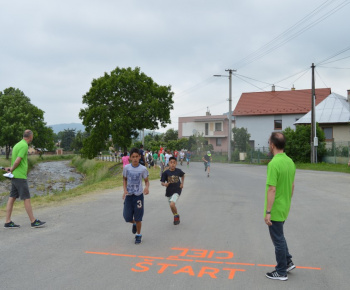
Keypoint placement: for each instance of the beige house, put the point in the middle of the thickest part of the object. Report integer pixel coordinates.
(333, 116)
(213, 128)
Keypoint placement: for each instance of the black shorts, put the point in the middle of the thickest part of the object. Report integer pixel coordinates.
(19, 188)
(133, 208)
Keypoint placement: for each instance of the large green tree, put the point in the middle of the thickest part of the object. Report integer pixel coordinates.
(121, 103)
(17, 114)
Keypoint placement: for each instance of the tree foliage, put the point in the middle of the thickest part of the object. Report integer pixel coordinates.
(17, 114)
(240, 139)
(298, 143)
(170, 135)
(68, 137)
(119, 104)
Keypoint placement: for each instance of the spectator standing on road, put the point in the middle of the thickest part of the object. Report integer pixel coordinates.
(188, 158)
(125, 159)
(167, 157)
(155, 158)
(19, 188)
(162, 162)
(207, 160)
(142, 154)
(171, 180)
(133, 193)
(278, 195)
(176, 153)
(182, 156)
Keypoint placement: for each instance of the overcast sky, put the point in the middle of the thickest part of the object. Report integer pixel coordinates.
(52, 50)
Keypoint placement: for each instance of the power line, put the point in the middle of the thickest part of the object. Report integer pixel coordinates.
(276, 42)
(334, 55)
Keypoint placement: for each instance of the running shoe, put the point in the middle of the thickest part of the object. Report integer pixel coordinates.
(138, 239)
(290, 266)
(176, 219)
(133, 229)
(11, 225)
(275, 276)
(37, 224)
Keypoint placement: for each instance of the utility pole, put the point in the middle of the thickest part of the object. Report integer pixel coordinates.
(313, 123)
(230, 114)
(230, 111)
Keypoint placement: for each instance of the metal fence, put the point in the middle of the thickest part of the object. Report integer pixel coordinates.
(336, 152)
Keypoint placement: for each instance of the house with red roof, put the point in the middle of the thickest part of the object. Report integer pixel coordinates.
(262, 113)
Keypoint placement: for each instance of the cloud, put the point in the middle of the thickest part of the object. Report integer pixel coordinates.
(52, 50)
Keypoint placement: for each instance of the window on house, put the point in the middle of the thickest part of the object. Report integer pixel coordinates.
(218, 127)
(206, 129)
(218, 141)
(278, 125)
(328, 132)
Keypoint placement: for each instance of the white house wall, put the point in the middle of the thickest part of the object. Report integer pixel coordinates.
(261, 127)
(188, 128)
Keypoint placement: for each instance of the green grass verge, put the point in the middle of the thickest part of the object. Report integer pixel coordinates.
(324, 167)
(99, 176)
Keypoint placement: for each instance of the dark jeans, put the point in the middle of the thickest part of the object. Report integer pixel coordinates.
(281, 249)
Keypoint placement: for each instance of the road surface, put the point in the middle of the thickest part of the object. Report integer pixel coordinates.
(222, 241)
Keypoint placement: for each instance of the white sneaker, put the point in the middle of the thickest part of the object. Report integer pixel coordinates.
(8, 175)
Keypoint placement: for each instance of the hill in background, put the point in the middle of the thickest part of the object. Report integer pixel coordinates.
(61, 127)
(80, 127)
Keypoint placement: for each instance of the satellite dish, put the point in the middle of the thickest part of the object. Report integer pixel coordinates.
(194, 131)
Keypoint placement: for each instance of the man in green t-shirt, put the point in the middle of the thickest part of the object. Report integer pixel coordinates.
(162, 162)
(19, 169)
(155, 158)
(278, 196)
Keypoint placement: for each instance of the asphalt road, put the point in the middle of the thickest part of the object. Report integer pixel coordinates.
(221, 242)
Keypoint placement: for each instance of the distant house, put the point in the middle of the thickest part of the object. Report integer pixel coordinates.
(333, 116)
(213, 128)
(264, 112)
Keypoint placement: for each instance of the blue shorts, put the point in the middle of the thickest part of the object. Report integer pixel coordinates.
(133, 208)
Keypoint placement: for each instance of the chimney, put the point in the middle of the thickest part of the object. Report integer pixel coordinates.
(348, 96)
(207, 113)
(293, 88)
(273, 88)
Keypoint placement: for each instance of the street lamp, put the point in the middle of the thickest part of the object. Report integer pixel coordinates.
(230, 111)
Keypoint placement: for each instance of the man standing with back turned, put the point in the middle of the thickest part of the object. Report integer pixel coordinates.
(278, 196)
(19, 169)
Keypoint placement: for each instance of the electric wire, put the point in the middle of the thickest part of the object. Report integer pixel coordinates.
(265, 49)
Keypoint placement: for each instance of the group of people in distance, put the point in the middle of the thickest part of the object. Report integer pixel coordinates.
(278, 192)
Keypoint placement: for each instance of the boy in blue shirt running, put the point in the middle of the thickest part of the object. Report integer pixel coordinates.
(133, 174)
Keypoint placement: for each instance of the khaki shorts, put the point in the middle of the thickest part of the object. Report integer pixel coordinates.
(173, 198)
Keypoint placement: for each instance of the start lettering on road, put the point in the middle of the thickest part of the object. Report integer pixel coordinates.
(210, 262)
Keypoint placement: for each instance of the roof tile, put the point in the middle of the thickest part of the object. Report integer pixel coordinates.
(278, 102)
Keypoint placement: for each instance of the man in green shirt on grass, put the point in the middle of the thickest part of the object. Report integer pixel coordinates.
(278, 196)
(19, 169)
